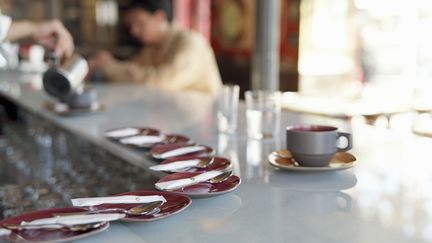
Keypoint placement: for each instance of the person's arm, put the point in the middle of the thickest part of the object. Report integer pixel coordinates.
(19, 30)
(51, 34)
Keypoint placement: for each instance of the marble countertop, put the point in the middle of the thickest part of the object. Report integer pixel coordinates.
(385, 198)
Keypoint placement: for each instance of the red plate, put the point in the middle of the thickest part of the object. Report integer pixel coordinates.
(169, 139)
(47, 235)
(174, 204)
(219, 163)
(142, 131)
(177, 138)
(203, 189)
(159, 149)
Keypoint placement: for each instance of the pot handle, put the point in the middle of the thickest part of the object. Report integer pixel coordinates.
(53, 59)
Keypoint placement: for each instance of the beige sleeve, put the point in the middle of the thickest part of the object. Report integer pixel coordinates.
(178, 72)
(124, 71)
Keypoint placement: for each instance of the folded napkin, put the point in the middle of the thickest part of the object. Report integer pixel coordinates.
(123, 132)
(180, 151)
(176, 165)
(73, 220)
(180, 183)
(142, 139)
(5, 232)
(92, 201)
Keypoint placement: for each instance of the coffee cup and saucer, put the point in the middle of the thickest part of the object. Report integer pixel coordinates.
(78, 103)
(314, 148)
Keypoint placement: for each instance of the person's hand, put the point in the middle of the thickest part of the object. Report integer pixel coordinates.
(54, 35)
(98, 61)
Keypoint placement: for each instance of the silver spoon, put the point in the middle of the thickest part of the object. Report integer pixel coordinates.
(76, 227)
(220, 178)
(203, 163)
(145, 208)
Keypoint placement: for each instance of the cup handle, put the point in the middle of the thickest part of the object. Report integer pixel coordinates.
(348, 136)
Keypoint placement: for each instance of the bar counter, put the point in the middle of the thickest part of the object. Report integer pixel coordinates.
(386, 197)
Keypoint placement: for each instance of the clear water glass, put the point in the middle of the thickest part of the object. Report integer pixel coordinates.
(263, 113)
(228, 108)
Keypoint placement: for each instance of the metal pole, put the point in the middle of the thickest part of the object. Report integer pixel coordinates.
(54, 9)
(265, 63)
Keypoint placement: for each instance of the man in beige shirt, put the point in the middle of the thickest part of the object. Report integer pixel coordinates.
(171, 58)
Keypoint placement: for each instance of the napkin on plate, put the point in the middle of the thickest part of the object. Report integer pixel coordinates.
(5, 232)
(180, 183)
(180, 151)
(142, 139)
(73, 220)
(93, 201)
(176, 165)
(123, 132)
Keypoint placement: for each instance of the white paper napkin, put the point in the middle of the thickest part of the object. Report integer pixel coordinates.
(92, 201)
(123, 132)
(180, 151)
(5, 232)
(176, 184)
(176, 165)
(142, 139)
(74, 220)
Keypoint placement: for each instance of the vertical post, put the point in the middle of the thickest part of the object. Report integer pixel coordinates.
(54, 9)
(265, 63)
(182, 12)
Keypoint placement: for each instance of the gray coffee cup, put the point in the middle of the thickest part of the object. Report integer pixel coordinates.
(315, 145)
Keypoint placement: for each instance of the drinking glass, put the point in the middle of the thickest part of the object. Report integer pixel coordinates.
(227, 109)
(263, 112)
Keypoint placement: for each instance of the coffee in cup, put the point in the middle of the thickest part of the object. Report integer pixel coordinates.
(315, 145)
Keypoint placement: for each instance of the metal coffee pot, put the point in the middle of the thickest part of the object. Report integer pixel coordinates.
(65, 80)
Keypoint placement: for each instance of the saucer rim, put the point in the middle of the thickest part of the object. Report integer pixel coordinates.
(272, 155)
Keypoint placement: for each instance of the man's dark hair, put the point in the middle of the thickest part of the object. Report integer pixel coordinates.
(153, 6)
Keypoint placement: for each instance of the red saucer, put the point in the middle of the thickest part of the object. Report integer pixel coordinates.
(141, 131)
(203, 189)
(163, 148)
(174, 204)
(169, 139)
(219, 163)
(47, 235)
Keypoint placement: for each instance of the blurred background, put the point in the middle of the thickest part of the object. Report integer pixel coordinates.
(338, 48)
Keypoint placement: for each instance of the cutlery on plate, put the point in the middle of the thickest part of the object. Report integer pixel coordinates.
(220, 178)
(179, 151)
(213, 176)
(142, 209)
(123, 199)
(143, 139)
(75, 227)
(122, 132)
(73, 220)
(183, 164)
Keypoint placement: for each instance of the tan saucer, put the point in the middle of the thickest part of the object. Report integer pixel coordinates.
(282, 159)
